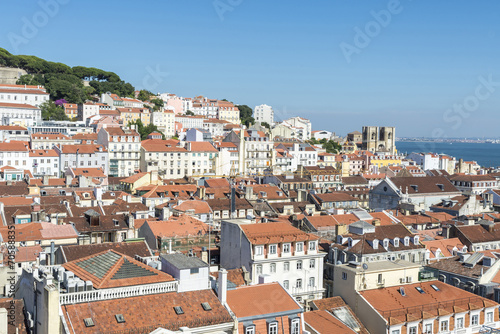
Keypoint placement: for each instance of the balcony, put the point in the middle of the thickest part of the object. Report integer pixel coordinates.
(115, 293)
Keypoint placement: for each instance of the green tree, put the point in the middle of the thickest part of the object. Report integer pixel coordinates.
(144, 131)
(189, 113)
(246, 115)
(265, 124)
(158, 104)
(144, 95)
(52, 112)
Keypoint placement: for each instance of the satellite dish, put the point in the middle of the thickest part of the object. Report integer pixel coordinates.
(365, 266)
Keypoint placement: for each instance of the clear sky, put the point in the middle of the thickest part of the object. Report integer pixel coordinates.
(430, 68)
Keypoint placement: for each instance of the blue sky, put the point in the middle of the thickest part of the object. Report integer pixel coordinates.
(408, 72)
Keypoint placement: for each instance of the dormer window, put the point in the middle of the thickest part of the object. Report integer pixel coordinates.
(272, 249)
(375, 243)
(259, 250)
(386, 243)
(286, 248)
(299, 247)
(396, 242)
(312, 245)
(407, 241)
(415, 240)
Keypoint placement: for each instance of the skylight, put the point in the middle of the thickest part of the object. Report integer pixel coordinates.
(435, 287)
(206, 306)
(119, 318)
(402, 291)
(419, 289)
(88, 322)
(178, 310)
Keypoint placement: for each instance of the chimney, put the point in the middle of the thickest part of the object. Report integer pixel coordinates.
(131, 221)
(52, 253)
(222, 288)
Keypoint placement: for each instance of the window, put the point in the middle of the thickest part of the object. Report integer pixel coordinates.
(294, 326)
(194, 271)
(412, 330)
(311, 281)
(428, 328)
(286, 284)
(489, 317)
(460, 323)
(395, 331)
(259, 250)
(298, 284)
(272, 249)
(474, 320)
(312, 245)
(273, 328)
(344, 276)
(299, 247)
(312, 264)
(444, 325)
(299, 265)
(250, 329)
(286, 248)
(258, 269)
(286, 266)
(273, 267)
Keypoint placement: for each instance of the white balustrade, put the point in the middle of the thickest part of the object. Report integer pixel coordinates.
(115, 293)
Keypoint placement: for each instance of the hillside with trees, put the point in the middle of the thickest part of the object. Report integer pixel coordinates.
(64, 82)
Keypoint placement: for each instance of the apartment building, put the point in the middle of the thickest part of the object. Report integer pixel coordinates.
(23, 94)
(45, 162)
(165, 121)
(227, 111)
(20, 114)
(275, 252)
(86, 155)
(15, 154)
(264, 113)
(124, 148)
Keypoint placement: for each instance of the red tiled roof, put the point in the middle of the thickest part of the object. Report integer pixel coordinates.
(267, 233)
(144, 314)
(86, 269)
(259, 300)
(183, 226)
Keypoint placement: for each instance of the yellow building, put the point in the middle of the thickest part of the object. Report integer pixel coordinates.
(381, 161)
(134, 114)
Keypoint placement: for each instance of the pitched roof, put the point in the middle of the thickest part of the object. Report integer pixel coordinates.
(75, 252)
(335, 197)
(323, 322)
(159, 309)
(160, 145)
(183, 226)
(428, 184)
(260, 300)
(199, 207)
(110, 269)
(39, 231)
(394, 307)
(202, 146)
(269, 233)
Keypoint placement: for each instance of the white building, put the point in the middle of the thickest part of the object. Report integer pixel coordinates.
(189, 122)
(215, 126)
(87, 110)
(257, 152)
(124, 147)
(45, 162)
(165, 156)
(274, 252)
(264, 113)
(22, 94)
(15, 154)
(303, 125)
(165, 121)
(80, 156)
(20, 114)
